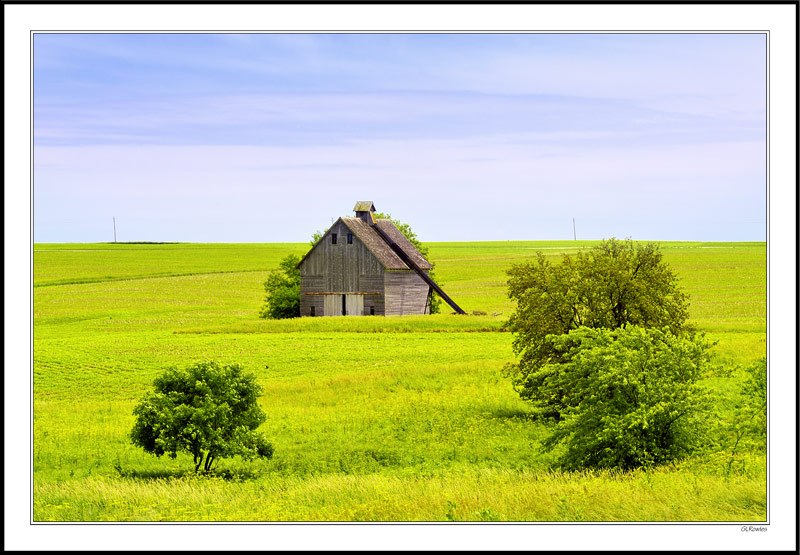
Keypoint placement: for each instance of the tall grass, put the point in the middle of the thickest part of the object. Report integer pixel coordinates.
(461, 494)
(405, 418)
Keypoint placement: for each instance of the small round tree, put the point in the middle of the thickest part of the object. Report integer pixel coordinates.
(208, 410)
(283, 290)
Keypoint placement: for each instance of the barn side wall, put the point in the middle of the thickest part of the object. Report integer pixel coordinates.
(340, 268)
(405, 293)
(311, 284)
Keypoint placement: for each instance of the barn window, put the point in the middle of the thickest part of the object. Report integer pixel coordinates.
(333, 238)
(349, 238)
(313, 311)
(372, 311)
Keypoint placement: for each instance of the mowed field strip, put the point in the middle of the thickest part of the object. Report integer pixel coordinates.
(372, 418)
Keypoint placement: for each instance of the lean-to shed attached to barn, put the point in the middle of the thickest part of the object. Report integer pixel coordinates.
(365, 266)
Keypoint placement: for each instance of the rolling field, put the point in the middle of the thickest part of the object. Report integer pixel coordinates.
(372, 419)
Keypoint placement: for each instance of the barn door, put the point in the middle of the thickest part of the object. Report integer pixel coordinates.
(338, 305)
(333, 305)
(355, 305)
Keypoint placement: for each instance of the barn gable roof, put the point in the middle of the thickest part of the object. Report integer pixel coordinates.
(380, 249)
(377, 246)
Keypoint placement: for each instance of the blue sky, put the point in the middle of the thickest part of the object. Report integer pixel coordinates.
(266, 137)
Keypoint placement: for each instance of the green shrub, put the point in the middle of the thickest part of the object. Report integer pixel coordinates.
(316, 237)
(208, 410)
(628, 397)
(754, 391)
(749, 423)
(283, 290)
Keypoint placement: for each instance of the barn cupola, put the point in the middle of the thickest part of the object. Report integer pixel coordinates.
(364, 210)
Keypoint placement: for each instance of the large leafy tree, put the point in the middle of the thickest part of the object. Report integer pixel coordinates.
(208, 410)
(614, 284)
(628, 397)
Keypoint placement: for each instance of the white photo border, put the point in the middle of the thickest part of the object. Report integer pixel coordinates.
(776, 19)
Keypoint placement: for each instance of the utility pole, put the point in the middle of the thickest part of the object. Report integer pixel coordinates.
(113, 219)
(574, 234)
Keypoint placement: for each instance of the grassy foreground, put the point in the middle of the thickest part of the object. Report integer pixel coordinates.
(389, 419)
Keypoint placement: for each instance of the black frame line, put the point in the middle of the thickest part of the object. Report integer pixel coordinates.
(456, 32)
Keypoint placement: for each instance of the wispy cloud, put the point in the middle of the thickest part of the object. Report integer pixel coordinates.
(618, 129)
(331, 117)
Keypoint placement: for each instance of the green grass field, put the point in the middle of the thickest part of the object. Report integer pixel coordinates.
(372, 419)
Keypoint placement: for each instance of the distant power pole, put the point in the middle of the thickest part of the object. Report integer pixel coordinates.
(574, 234)
(113, 219)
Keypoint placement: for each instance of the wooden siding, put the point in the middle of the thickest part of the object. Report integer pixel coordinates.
(405, 293)
(374, 302)
(307, 301)
(340, 268)
(311, 284)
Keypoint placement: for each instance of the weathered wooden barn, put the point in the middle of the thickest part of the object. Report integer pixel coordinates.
(365, 266)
